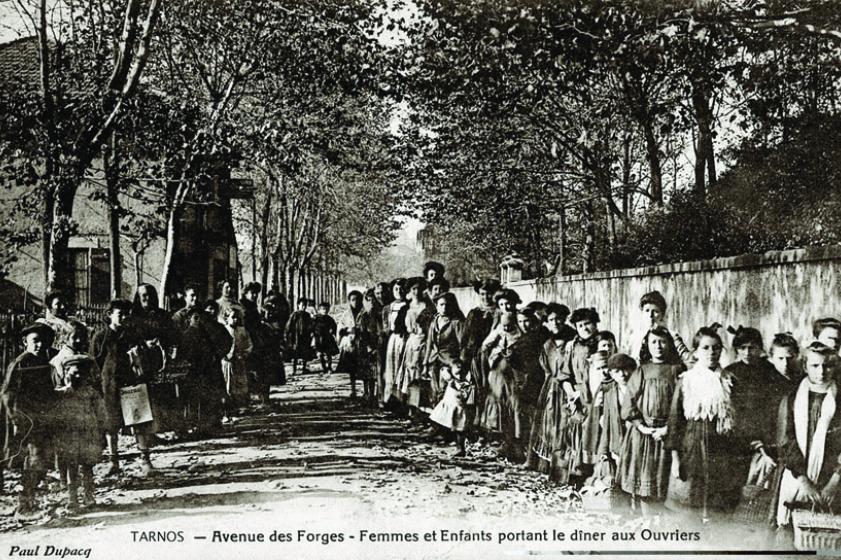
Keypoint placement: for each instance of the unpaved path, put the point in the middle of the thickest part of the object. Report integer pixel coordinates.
(320, 476)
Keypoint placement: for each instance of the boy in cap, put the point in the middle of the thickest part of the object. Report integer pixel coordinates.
(28, 401)
(78, 437)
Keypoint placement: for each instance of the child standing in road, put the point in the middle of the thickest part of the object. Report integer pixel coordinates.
(324, 337)
(299, 333)
(79, 435)
(645, 462)
(457, 407)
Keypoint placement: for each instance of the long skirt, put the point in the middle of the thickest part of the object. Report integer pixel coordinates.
(548, 435)
(644, 466)
(393, 366)
(236, 381)
(412, 368)
(496, 397)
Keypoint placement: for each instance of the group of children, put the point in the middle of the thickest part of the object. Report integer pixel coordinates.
(664, 425)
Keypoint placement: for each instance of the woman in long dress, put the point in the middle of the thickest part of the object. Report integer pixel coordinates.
(477, 326)
(419, 314)
(395, 332)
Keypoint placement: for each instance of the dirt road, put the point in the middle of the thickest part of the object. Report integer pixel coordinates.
(320, 476)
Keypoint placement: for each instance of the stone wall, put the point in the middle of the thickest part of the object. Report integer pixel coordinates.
(774, 292)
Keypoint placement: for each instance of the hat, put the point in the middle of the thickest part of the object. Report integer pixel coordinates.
(584, 314)
(42, 329)
(621, 361)
(490, 285)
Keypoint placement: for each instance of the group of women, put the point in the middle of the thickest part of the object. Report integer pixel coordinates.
(664, 425)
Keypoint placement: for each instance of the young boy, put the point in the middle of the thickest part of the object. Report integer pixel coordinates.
(29, 400)
(324, 337)
(109, 347)
(79, 437)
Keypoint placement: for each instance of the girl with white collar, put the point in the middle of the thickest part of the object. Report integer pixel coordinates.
(810, 434)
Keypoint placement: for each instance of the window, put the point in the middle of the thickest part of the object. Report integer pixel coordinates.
(90, 276)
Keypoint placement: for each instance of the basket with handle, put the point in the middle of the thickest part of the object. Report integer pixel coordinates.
(815, 530)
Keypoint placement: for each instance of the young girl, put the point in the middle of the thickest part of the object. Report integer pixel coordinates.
(366, 345)
(756, 383)
(443, 342)
(299, 335)
(497, 346)
(456, 408)
(577, 366)
(324, 330)
(547, 446)
(73, 343)
(234, 362)
(395, 332)
(701, 434)
(147, 360)
(614, 393)
(419, 315)
(347, 328)
(811, 435)
(79, 436)
(523, 383)
(645, 464)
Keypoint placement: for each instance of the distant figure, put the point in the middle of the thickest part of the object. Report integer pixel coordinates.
(299, 332)
(324, 337)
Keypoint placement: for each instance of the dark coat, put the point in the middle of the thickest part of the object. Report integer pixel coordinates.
(109, 349)
(28, 401)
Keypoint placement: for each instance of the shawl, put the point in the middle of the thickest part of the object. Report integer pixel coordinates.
(789, 486)
(706, 396)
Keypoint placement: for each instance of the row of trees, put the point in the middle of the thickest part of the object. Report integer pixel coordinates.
(580, 133)
(152, 102)
(591, 134)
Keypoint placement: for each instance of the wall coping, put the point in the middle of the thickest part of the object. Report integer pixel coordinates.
(755, 260)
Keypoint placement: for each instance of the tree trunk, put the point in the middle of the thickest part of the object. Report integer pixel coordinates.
(138, 268)
(110, 163)
(652, 153)
(589, 238)
(169, 254)
(562, 240)
(58, 263)
(704, 154)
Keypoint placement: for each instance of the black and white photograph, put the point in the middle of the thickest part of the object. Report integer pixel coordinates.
(412, 279)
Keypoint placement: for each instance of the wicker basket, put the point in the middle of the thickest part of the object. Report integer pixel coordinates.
(816, 531)
(755, 505)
